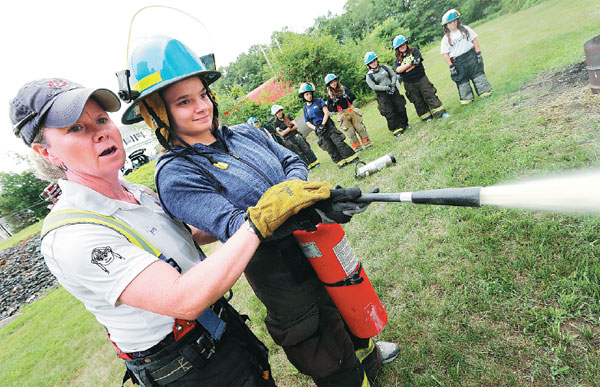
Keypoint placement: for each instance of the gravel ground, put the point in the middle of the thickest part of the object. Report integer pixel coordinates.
(24, 276)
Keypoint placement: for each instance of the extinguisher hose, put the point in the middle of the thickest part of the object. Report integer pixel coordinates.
(465, 197)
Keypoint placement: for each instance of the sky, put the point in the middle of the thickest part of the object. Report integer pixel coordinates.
(86, 41)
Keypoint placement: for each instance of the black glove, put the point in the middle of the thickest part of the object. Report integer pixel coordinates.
(479, 58)
(392, 90)
(339, 208)
(319, 129)
(335, 99)
(453, 71)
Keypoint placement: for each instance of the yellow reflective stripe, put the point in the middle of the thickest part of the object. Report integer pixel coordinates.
(437, 109)
(341, 162)
(63, 218)
(485, 94)
(365, 382)
(313, 164)
(425, 116)
(397, 130)
(147, 81)
(347, 160)
(362, 353)
(466, 101)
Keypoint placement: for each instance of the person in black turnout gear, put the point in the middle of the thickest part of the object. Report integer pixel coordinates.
(329, 138)
(390, 103)
(419, 90)
(212, 177)
(287, 128)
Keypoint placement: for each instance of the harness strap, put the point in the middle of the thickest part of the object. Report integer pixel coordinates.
(208, 319)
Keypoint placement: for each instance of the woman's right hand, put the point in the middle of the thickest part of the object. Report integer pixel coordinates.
(283, 200)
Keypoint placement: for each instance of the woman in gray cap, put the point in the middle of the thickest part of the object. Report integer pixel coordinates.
(136, 269)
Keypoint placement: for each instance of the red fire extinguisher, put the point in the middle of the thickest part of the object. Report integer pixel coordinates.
(333, 259)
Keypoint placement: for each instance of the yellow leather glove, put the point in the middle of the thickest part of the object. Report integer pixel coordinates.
(283, 200)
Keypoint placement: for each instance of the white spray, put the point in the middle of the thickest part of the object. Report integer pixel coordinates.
(577, 192)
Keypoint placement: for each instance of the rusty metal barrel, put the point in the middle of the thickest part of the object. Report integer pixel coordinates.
(592, 57)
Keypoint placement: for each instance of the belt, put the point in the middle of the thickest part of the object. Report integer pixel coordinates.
(180, 329)
(170, 338)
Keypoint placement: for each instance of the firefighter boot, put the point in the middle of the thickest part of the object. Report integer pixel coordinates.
(367, 142)
(389, 351)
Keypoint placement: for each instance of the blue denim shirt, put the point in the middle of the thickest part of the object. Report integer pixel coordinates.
(254, 163)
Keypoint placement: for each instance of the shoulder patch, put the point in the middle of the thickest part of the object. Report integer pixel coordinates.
(104, 256)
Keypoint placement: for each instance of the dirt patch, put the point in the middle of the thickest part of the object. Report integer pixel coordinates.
(574, 75)
(562, 102)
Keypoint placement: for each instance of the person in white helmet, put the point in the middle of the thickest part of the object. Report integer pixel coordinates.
(287, 128)
(462, 53)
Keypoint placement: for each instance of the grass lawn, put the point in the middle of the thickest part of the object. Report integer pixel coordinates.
(475, 296)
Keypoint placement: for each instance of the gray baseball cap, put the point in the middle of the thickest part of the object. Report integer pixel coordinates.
(53, 102)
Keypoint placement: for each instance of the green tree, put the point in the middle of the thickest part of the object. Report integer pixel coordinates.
(249, 71)
(20, 203)
(309, 57)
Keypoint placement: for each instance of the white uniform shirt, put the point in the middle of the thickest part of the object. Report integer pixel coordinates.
(460, 43)
(68, 253)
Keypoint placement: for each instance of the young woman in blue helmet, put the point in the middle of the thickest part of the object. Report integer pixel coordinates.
(329, 138)
(211, 175)
(462, 53)
(419, 90)
(390, 102)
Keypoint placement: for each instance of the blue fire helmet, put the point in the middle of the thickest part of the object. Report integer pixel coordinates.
(399, 40)
(158, 62)
(252, 120)
(329, 78)
(449, 16)
(369, 57)
(304, 88)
